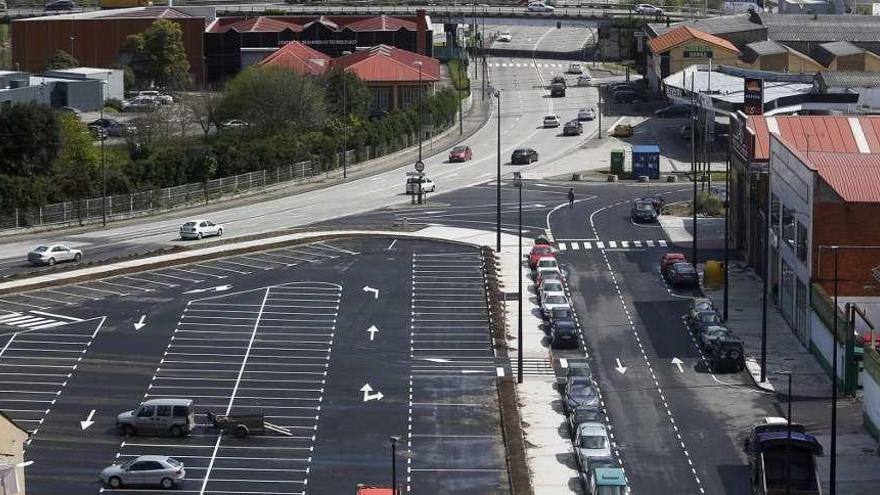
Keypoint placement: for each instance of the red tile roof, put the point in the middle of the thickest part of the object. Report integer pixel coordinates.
(816, 133)
(297, 24)
(855, 177)
(385, 63)
(299, 57)
(683, 34)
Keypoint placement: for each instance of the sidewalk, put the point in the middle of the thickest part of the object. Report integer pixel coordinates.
(858, 462)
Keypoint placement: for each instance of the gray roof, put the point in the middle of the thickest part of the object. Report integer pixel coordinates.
(827, 52)
(756, 49)
(803, 27)
(713, 25)
(848, 79)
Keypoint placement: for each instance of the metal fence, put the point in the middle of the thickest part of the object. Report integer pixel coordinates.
(128, 205)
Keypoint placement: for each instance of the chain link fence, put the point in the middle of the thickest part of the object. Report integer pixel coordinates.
(128, 205)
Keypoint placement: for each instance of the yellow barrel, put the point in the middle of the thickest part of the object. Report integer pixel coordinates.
(713, 274)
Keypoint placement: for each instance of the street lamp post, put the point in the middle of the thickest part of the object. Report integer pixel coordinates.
(394, 441)
(726, 236)
(421, 122)
(103, 169)
(788, 440)
(517, 181)
(498, 179)
(345, 130)
(694, 170)
(833, 473)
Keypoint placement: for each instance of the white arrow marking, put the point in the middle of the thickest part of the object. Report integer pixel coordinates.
(372, 331)
(678, 362)
(88, 422)
(366, 389)
(24, 464)
(620, 367)
(375, 292)
(219, 288)
(437, 360)
(140, 324)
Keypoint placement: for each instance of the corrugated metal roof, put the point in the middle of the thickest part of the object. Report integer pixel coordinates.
(299, 57)
(382, 23)
(150, 13)
(258, 25)
(803, 27)
(683, 34)
(815, 133)
(725, 24)
(848, 79)
(297, 24)
(855, 177)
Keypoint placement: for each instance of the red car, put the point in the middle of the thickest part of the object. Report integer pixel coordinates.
(460, 154)
(540, 251)
(669, 259)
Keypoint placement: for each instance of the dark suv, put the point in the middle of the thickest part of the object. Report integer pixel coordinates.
(523, 156)
(726, 353)
(573, 128)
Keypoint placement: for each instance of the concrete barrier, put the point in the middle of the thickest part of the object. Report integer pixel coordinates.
(611, 178)
(643, 178)
(671, 178)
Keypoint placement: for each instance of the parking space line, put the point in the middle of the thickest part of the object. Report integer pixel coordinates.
(221, 268)
(273, 255)
(159, 274)
(22, 304)
(70, 294)
(103, 291)
(136, 279)
(238, 264)
(331, 247)
(44, 299)
(267, 262)
(122, 285)
(195, 272)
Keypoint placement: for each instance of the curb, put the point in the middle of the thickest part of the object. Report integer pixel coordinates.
(755, 372)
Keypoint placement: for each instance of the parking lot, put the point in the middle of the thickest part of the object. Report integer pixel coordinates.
(282, 333)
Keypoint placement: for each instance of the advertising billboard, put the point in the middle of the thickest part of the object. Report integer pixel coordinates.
(753, 96)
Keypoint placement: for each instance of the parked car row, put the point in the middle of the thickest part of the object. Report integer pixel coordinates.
(722, 349)
(599, 471)
(147, 101)
(626, 92)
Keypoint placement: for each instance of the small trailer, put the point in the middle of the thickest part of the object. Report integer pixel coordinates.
(242, 425)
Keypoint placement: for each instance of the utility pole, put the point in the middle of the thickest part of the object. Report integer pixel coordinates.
(768, 218)
(833, 474)
(517, 181)
(727, 236)
(345, 130)
(498, 179)
(694, 168)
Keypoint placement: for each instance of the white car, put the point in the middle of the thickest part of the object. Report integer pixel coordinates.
(412, 185)
(575, 68)
(550, 300)
(648, 9)
(546, 262)
(140, 104)
(551, 121)
(196, 229)
(156, 95)
(539, 7)
(53, 253)
(551, 285)
(586, 114)
(505, 36)
(584, 80)
(591, 440)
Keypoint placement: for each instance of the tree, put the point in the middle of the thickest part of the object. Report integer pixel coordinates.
(273, 99)
(75, 167)
(157, 56)
(358, 96)
(203, 109)
(61, 60)
(29, 139)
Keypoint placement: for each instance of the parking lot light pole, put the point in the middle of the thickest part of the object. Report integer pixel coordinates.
(788, 440)
(517, 182)
(344, 130)
(726, 236)
(394, 441)
(498, 179)
(833, 473)
(103, 136)
(421, 122)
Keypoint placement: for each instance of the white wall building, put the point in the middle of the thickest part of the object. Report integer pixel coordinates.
(115, 87)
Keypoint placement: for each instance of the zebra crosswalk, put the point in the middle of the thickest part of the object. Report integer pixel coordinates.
(528, 64)
(29, 321)
(586, 245)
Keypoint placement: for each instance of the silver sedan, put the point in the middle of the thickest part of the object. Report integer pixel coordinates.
(146, 470)
(53, 253)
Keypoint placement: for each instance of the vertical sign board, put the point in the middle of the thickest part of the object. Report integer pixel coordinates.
(753, 96)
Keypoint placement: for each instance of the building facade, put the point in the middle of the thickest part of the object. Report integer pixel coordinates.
(12, 443)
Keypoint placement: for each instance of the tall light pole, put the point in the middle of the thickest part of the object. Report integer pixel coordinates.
(103, 137)
(727, 235)
(394, 441)
(833, 474)
(345, 129)
(517, 182)
(765, 297)
(462, 72)
(498, 179)
(788, 440)
(694, 168)
(421, 121)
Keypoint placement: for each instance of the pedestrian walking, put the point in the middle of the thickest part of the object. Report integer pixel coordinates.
(571, 197)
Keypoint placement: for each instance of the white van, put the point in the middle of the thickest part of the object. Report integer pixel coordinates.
(412, 184)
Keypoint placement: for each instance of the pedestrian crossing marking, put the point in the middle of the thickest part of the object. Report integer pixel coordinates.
(572, 245)
(28, 321)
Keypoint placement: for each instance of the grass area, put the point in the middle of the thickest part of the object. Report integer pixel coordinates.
(5, 47)
(459, 74)
(708, 205)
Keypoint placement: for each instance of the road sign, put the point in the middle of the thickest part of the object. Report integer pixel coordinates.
(420, 166)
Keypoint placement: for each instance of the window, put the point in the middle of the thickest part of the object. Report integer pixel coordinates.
(140, 466)
(163, 410)
(788, 229)
(146, 412)
(802, 240)
(180, 411)
(774, 214)
(153, 466)
(409, 96)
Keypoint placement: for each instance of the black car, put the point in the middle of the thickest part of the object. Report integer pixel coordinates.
(563, 333)
(523, 156)
(683, 275)
(673, 111)
(708, 335)
(581, 393)
(561, 314)
(98, 133)
(61, 5)
(559, 80)
(705, 319)
(643, 211)
(575, 371)
(573, 128)
(629, 97)
(726, 353)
